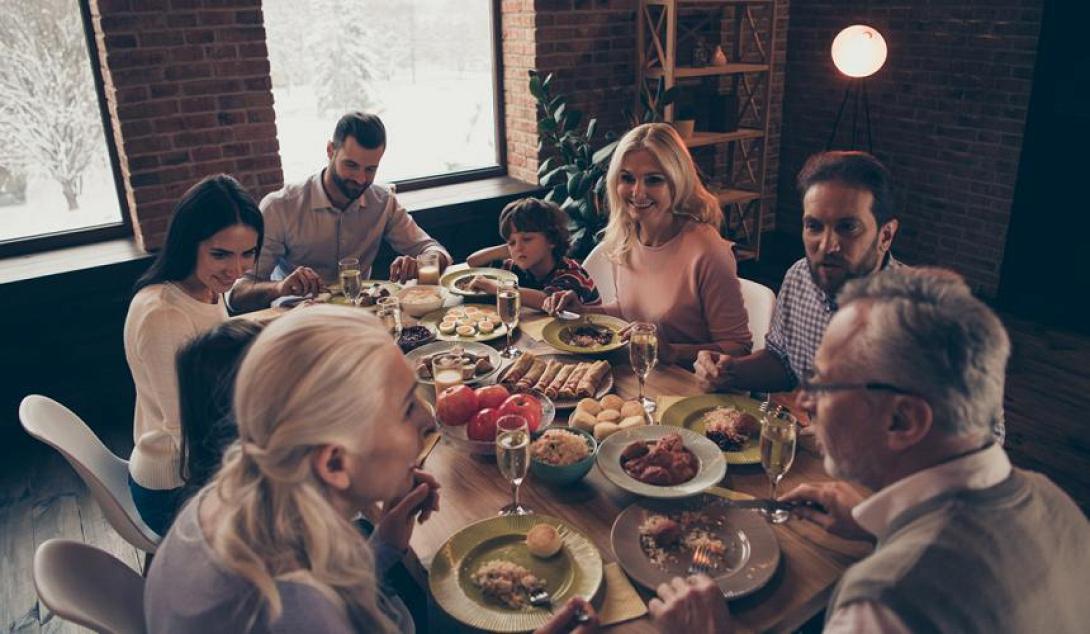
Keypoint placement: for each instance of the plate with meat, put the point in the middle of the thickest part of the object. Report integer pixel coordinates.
(661, 462)
(483, 574)
(458, 282)
(731, 421)
(590, 334)
(654, 541)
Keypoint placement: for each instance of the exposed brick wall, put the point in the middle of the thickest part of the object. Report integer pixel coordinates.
(187, 82)
(517, 24)
(948, 113)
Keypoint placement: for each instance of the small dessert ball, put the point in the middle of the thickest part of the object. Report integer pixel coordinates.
(544, 541)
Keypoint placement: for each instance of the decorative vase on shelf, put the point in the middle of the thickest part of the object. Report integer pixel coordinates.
(701, 53)
(719, 58)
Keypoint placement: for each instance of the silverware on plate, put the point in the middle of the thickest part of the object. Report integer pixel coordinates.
(541, 598)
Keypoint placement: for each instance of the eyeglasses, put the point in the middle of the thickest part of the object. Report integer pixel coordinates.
(808, 383)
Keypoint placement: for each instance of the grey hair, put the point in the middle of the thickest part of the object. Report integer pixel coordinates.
(926, 333)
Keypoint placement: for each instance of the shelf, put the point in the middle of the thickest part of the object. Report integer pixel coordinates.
(735, 196)
(700, 139)
(681, 72)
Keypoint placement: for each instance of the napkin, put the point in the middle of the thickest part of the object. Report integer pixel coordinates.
(535, 326)
(664, 403)
(621, 602)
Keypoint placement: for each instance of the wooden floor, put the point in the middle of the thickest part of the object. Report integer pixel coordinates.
(1048, 402)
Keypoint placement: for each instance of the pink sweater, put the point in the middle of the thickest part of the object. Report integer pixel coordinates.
(689, 288)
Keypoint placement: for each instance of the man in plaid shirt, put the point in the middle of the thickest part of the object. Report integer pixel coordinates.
(848, 225)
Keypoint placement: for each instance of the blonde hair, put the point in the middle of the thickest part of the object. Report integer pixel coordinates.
(312, 378)
(690, 198)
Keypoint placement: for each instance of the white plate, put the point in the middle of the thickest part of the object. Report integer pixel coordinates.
(437, 347)
(604, 388)
(712, 465)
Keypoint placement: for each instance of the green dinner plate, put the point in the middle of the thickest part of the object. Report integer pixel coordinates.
(552, 330)
(575, 571)
(450, 279)
(689, 412)
(432, 319)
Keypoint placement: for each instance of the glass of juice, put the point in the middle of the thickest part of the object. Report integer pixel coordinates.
(427, 268)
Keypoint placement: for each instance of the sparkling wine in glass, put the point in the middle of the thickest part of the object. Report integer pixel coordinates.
(513, 457)
(351, 279)
(779, 435)
(388, 310)
(508, 304)
(643, 353)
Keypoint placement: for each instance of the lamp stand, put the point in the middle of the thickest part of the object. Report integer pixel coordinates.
(856, 92)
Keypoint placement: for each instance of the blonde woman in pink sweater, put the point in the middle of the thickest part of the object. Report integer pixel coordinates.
(670, 265)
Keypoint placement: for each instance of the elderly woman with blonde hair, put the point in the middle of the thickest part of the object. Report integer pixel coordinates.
(670, 265)
(328, 427)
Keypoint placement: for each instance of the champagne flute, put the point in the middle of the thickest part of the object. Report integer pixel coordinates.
(643, 353)
(508, 304)
(513, 457)
(351, 279)
(779, 435)
(388, 310)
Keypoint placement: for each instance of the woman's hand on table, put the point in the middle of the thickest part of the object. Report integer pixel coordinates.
(563, 620)
(714, 370)
(694, 605)
(302, 281)
(562, 300)
(396, 526)
(838, 500)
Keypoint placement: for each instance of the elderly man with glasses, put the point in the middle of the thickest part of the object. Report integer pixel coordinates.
(905, 396)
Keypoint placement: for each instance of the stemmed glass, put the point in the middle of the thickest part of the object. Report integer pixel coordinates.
(513, 457)
(643, 352)
(388, 309)
(779, 434)
(351, 279)
(508, 304)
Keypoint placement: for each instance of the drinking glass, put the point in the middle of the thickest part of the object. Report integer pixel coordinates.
(351, 279)
(446, 371)
(508, 304)
(427, 268)
(643, 353)
(388, 309)
(779, 434)
(513, 457)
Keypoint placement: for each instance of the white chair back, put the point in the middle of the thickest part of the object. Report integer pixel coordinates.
(601, 271)
(106, 475)
(89, 587)
(760, 301)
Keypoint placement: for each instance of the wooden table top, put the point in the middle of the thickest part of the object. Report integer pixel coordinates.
(812, 560)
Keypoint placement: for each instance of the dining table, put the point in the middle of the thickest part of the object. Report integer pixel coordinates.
(811, 563)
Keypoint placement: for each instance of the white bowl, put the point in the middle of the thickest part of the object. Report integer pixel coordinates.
(417, 301)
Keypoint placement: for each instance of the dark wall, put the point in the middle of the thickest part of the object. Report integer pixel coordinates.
(948, 112)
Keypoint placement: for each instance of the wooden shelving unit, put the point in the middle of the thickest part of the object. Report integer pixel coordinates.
(741, 188)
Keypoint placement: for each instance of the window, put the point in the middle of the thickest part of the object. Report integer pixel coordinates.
(56, 175)
(427, 67)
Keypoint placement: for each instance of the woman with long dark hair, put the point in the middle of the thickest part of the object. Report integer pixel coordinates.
(214, 236)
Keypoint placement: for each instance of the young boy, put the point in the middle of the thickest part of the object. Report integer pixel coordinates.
(537, 239)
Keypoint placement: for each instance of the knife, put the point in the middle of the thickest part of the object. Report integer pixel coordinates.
(773, 505)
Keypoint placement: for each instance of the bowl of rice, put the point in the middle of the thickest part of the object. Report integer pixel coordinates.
(562, 456)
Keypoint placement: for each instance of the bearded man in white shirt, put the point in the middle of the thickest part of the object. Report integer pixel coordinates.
(337, 213)
(905, 397)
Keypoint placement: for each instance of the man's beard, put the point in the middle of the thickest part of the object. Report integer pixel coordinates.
(865, 268)
(348, 189)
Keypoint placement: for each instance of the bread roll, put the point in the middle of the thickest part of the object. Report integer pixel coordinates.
(589, 406)
(631, 421)
(609, 416)
(612, 401)
(582, 420)
(543, 541)
(631, 408)
(605, 430)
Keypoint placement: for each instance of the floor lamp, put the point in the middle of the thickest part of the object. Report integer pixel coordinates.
(858, 51)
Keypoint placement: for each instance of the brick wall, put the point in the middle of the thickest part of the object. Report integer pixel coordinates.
(517, 25)
(948, 112)
(187, 82)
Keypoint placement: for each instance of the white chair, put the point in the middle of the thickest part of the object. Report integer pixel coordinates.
(601, 271)
(760, 301)
(106, 475)
(89, 587)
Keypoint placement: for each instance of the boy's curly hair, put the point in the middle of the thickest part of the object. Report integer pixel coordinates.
(532, 215)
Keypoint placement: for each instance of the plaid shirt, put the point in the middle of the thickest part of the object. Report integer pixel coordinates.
(802, 312)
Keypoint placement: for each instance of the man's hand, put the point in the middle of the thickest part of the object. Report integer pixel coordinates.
(714, 370)
(563, 620)
(694, 606)
(302, 281)
(396, 526)
(403, 268)
(838, 498)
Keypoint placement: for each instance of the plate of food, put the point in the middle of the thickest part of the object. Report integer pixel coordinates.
(731, 421)
(564, 379)
(479, 361)
(468, 322)
(483, 574)
(590, 334)
(661, 462)
(605, 416)
(372, 291)
(654, 541)
(458, 282)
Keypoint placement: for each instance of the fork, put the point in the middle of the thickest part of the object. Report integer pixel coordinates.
(701, 563)
(541, 598)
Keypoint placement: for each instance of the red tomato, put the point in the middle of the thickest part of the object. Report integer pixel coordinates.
(456, 405)
(492, 396)
(483, 425)
(523, 405)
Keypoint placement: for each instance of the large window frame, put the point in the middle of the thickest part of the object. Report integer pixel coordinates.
(76, 237)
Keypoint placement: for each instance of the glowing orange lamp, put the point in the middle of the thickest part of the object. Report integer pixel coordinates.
(859, 51)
